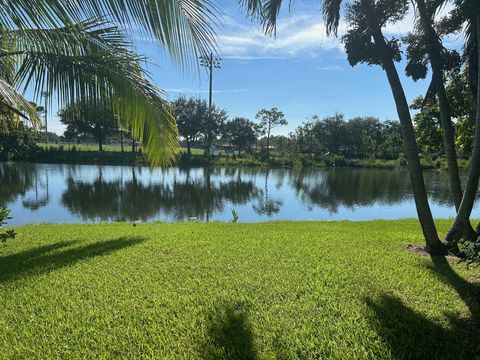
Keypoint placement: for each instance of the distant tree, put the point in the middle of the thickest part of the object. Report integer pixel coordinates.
(89, 119)
(190, 115)
(52, 137)
(427, 126)
(331, 132)
(462, 110)
(305, 138)
(195, 121)
(240, 132)
(359, 137)
(364, 137)
(392, 143)
(212, 125)
(270, 119)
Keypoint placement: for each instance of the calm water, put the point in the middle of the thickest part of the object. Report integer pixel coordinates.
(85, 193)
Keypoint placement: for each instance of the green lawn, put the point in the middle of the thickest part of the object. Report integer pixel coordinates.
(115, 148)
(339, 290)
(89, 147)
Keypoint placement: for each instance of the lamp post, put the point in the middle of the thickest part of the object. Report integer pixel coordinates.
(210, 62)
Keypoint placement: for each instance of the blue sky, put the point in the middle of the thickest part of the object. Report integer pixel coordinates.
(301, 71)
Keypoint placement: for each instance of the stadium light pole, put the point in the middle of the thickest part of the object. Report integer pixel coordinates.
(210, 62)
(45, 95)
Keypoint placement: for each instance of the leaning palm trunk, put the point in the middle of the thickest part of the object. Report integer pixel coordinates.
(461, 226)
(433, 243)
(435, 55)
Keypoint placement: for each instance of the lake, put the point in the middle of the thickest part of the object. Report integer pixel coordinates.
(38, 193)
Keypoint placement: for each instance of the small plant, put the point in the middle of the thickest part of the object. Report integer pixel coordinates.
(234, 216)
(472, 252)
(8, 234)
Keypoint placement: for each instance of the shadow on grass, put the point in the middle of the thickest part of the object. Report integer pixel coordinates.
(411, 335)
(468, 292)
(51, 257)
(230, 335)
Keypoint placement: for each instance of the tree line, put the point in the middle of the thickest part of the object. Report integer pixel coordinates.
(200, 127)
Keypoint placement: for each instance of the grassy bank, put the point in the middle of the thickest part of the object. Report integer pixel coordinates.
(213, 291)
(112, 155)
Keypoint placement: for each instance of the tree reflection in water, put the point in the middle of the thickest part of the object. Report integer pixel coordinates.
(17, 179)
(185, 197)
(266, 205)
(335, 188)
(115, 193)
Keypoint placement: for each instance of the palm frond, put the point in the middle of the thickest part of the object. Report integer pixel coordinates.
(266, 11)
(331, 15)
(14, 102)
(92, 63)
(185, 27)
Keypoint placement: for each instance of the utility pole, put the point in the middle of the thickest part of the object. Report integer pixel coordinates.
(210, 62)
(210, 88)
(45, 95)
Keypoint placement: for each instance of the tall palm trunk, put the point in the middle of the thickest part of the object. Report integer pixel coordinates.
(461, 226)
(433, 243)
(435, 55)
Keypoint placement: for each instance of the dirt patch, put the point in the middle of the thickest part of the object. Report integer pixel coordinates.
(475, 279)
(419, 250)
(416, 250)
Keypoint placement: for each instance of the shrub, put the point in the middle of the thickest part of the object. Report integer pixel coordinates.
(17, 142)
(472, 252)
(7, 234)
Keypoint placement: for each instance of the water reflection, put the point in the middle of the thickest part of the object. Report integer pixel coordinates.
(185, 197)
(265, 205)
(80, 193)
(346, 188)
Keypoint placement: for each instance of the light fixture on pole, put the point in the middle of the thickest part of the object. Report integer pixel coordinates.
(210, 62)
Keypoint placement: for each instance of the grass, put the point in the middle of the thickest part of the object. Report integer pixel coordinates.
(338, 290)
(127, 147)
(112, 155)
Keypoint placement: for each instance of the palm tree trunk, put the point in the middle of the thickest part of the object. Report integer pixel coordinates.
(449, 141)
(433, 243)
(461, 227)
(434, 53)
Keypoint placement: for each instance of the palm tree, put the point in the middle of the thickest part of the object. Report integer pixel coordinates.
(460, 228)
(426, 33)
(366, 19)
(78, 50)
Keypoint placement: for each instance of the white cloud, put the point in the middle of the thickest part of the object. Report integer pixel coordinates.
(298, 34)
(330, 68)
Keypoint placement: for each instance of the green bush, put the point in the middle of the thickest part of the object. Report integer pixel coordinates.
(17, 141)
(7, 234)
